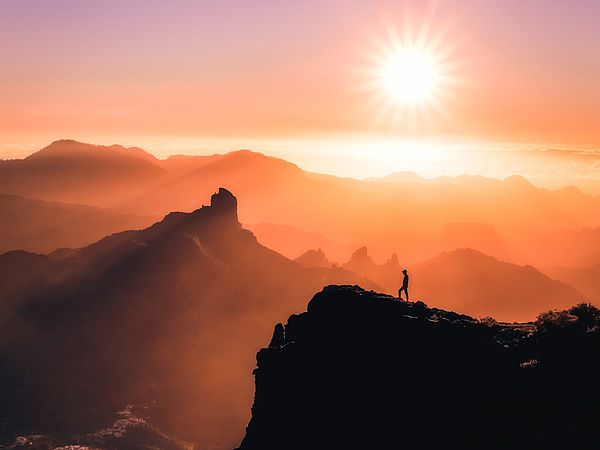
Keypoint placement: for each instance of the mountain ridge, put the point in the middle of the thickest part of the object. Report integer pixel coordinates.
(414, 216)
(43, 226)
(71, 147)
(474, 283)
(166, 318)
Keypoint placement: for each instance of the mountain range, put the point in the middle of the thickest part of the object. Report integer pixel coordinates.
(104, 307)
(167, 318)
(473, 283)
(44, 226)
(470, 282)
(510, 219)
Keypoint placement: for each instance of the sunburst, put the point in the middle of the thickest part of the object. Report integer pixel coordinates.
(410, 72)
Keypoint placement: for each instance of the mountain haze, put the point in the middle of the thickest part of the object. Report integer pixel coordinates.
(44, 226)
(410, 218)
(168, 317)
(470, 282)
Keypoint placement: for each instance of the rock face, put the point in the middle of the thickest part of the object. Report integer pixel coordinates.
(360, 370)
(225, 203)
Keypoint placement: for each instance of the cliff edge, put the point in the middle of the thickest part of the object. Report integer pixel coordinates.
(362, 370)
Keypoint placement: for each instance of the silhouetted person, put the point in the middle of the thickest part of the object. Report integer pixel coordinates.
(404, 286)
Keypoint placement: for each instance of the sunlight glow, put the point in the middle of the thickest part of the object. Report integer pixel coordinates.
(410, 72)
(410, 76)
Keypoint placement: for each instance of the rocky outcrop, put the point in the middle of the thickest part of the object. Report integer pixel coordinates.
(313, 258)
(387, 275)
(225, 203)
(361, 370)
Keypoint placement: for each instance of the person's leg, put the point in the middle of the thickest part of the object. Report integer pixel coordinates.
(406, 291)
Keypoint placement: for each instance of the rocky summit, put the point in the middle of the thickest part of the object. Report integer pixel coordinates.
(364, 370)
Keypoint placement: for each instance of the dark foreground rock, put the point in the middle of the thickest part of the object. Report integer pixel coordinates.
(361, 370)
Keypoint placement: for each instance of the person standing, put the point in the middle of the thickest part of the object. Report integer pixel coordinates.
(404, 286)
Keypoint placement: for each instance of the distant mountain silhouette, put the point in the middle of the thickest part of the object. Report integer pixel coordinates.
(408, 217)
(68, 148)
(41, 226)
(586, 279)
(313, 258)
(254, 175)
(509, 219)
(470, 282)
(292, 242)
(474, 283)
(359, 370)
(387, 275)
(168, 318)
(576, 248)
(480, 236)
(74, 172)
(403, 177)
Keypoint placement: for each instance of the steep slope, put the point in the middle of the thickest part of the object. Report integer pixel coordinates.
(167, 318)
(41, 226)
(360, 370)
(472, 283)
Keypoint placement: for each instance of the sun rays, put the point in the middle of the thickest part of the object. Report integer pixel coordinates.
(410, 73)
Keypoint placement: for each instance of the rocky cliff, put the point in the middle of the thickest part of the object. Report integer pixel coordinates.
(361, 370)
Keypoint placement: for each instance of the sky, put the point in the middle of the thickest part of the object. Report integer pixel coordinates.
(197, 76)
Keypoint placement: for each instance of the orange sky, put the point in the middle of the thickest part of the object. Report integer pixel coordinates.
(153, 74)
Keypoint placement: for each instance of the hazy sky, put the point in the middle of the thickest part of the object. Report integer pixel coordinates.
(200, 74)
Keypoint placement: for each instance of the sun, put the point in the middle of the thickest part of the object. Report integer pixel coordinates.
(410, 76)
(410, 72)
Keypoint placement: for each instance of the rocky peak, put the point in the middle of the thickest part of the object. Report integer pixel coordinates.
(224, 203)
(360, 255)
(393, 261)
(313, 258)
(213, 220)
(386, 275)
